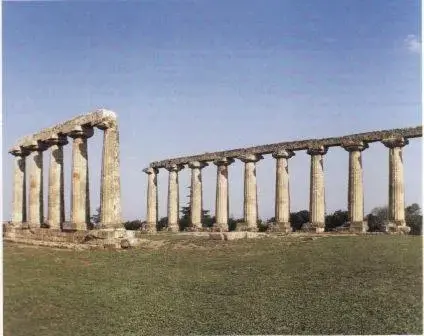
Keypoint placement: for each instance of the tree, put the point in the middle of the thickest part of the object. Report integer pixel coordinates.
(414, 218)
(336, 219)
(376, 219)
(297, 219)
(95, 219)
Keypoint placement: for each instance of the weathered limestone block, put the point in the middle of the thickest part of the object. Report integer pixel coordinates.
(80, 195)
(152, 199)
(110, 192)
(317, 191)
(19, 186)
(196, 202)
(173, 197)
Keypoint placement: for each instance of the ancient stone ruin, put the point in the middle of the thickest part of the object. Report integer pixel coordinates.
(28, 224)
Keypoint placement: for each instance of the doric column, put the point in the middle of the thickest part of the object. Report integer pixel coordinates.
(173, 196)
(152, 199)
(282, 191)
(222, 203)
(355, 201)
(396, 221)
(36, 209)
(250, 191)
(80, 192)
(110, 186)
(317, 191)
(196, 202)
(56, 197)
(19, 186)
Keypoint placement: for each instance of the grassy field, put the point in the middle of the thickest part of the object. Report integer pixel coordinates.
(330, 285)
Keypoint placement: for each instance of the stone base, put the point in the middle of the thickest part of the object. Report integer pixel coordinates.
(172, 228)
(150, 228)
(235, 235)
(313, 227)
(219, 227)
(396, 227)
(243, 226)
(283, 227)
(358, 227)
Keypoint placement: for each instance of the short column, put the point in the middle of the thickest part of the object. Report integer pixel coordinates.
(19, 215)
(396, 221)
(317, 191)
(56, 197)
(196, 202)
(250, 191)
(152, 199)
(110, 185)
(80, 192)
(282, 191)
(355, 201)
(222, 203)
(173, 197)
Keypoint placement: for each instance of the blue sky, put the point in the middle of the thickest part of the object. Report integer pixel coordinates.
(186, 77)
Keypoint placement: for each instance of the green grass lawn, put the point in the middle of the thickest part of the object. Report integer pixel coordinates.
(331, 285)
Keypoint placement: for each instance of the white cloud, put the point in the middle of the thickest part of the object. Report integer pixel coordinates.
(412, 44)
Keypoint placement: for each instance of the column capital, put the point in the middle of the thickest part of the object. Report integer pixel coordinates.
(174, 167)
(283, 153)
(224, 161)
(35, 146)
(354, 146)
(57, 139)
(151, 170)
(81, 132)
(19, 151)
(250, 157)
(198, 164)
(317, 150)
(395, 142)
(105, 124)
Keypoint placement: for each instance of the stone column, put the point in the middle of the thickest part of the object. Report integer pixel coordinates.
(36, 208)
(396, 221)
(173, 197)
(80, 192)
(282, 191)
(19, 186)
(250, 191)
(355, 187)
(222, 203)
(152, 199)
(196, 201)
(110, 186)
(56, 197)
(317, 191)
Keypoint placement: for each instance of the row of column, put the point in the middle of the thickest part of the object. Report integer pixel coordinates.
(282, 194)
(110, 208)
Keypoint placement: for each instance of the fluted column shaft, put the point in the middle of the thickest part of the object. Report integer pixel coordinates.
(250, 191)
(282, 191)
(56, 197)
(196, 201)
(80, 192)
(173, 197)
(222, 202)
(110, 186)
(19, 187)
(152, 199)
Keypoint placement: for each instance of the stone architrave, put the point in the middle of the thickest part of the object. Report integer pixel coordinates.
(110, 185)
(80, 191)
(152, 199)
(56, 196)
(250, 191)
(317, 191)
(173, 197)
(396, 221)
(196, 200)
(282, 191)
(19, 214)
(355, 201)
(222, 203)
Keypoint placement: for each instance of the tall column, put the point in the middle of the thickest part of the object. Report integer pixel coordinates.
(196, 202)
(152, 199)
(282, 191)
(56, 197)
(317, 191)
(355, 187)
(173, 197)
(80, 192)
(396, 221)
(250, 191)
(36, 208)
(222, 202)
(19, 186)
(110, 186)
